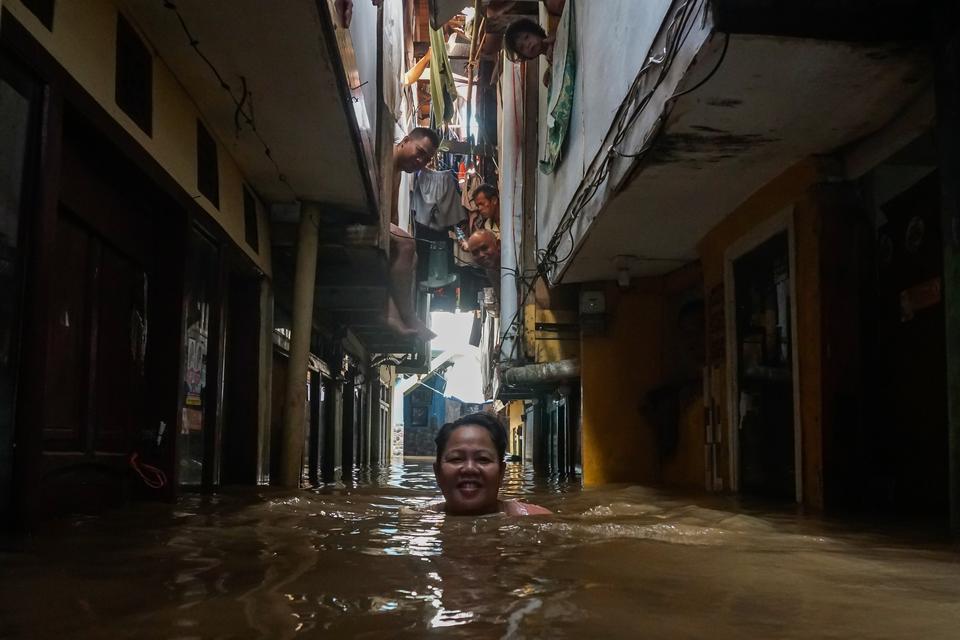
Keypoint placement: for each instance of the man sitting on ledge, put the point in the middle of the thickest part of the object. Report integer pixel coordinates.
(412, 154)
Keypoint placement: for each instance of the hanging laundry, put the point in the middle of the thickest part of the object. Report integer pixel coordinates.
(443, 88)
(560, 94)
(470, 183)
(436, 201)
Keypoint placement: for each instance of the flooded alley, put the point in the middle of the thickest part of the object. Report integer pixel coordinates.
(679, 279)
(616, 562)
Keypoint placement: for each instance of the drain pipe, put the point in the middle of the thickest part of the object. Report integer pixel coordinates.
(534, 374)
(509, 201)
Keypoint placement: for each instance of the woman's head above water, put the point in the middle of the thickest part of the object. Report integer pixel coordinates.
(469, 465)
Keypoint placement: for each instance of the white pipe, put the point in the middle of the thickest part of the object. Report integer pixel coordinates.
(511, 208)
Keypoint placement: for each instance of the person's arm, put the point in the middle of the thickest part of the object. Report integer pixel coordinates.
(537, 510)
(550, 41)
(554, 7)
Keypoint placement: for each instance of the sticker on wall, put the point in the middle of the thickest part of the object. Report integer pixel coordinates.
(919, 297)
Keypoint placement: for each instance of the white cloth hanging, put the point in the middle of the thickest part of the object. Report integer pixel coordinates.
(436, 202)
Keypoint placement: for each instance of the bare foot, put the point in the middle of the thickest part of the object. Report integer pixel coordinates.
(422, 331)
(415, 329)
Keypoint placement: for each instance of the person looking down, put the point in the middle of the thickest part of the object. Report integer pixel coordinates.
(484, 246)
(487, 199)
(411, 154)
(469, 469)
(524, 40)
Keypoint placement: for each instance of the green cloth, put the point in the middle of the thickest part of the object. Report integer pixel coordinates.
(443, 88)
(563, 79)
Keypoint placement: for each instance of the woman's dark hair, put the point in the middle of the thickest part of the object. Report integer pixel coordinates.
(488, 190)
(523, 25)
(429, 134)
(485, 420)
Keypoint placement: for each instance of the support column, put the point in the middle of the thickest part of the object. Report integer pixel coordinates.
(948, 136)
(265, 380)
(295, 395)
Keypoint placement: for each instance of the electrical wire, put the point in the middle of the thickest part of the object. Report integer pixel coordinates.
(241, 112)
(713, 72)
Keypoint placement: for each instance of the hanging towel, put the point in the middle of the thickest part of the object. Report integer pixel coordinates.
(563, 78)
(443, 88)
(470, 184)
(436, 201)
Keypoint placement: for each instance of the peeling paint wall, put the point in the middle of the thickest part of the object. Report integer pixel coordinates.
(83, 42)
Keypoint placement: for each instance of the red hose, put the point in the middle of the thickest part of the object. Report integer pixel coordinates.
(152, 476)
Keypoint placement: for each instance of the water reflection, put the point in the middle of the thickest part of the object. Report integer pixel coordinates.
(357, 560)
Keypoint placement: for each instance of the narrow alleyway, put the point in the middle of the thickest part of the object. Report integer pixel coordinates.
(351, 563)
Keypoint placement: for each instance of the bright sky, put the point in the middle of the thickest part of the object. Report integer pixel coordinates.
(453, 333)
(463, 378)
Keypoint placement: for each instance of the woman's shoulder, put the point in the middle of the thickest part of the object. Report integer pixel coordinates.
(435, 507)
(517, 508)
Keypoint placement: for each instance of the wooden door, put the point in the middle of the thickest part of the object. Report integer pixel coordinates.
(95, 361)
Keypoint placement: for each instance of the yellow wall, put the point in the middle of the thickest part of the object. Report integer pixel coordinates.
(560, 306)
(621, 366)
(83, 41)
(616, 370)
(790, 189)
(515, 415)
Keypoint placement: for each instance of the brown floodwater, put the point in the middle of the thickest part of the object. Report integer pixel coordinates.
(359, 562)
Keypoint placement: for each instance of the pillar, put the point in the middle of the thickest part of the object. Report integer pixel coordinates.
(295, 395)
(265, 380)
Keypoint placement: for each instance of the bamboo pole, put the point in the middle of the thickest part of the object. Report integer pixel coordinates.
(471, 63)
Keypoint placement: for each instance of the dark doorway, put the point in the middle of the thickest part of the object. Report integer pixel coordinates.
(351, 426)
(196, 439)
(538, 442)
(909, 353)
(765, 371)
(333, 419)
(316, 412)
(561, 447)
(241, 389)
(19, 100)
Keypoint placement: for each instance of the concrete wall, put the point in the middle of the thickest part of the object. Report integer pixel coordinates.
(617, 369)
(613, 41)
(638, 354)
(635, 353)
(83, 41)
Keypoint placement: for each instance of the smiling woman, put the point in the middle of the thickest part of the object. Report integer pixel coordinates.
(470, 466)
